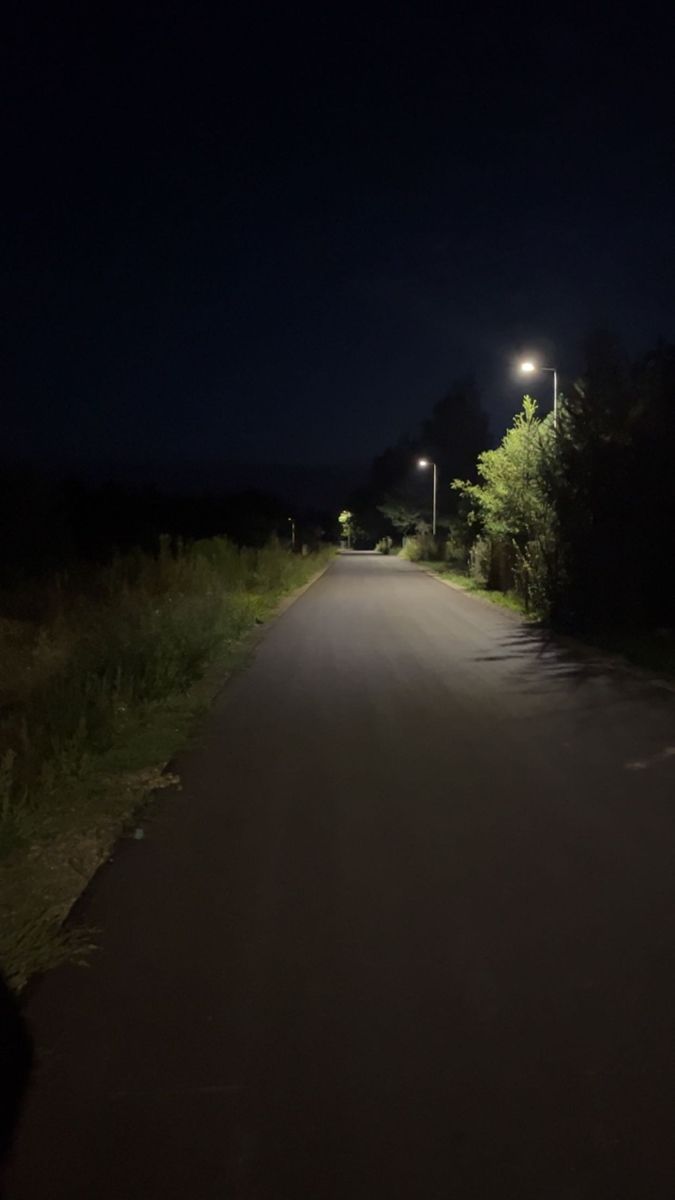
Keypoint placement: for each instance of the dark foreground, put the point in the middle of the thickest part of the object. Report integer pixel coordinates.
(406, 932)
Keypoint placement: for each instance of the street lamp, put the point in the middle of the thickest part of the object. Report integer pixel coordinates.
(425, 462)
(292, 524)
(528, 368)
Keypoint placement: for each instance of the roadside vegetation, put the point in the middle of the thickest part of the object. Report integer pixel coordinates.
(462, 580)
(103, 670)
(572, 522)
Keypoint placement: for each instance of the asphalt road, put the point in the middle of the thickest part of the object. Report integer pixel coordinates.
(407, 932)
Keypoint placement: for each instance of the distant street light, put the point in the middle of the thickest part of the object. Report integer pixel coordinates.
(528, 368)
(292, 524)
(425, 462)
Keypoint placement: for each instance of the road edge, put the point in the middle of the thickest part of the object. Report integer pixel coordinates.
(613, 662)
(72, 940)
(456, 587)
(287, 601)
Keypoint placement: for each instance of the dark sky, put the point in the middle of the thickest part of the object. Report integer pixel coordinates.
(279, 232)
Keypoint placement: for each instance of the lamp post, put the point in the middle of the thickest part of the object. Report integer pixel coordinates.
(425, 462)
(292, 524)
(528, 368)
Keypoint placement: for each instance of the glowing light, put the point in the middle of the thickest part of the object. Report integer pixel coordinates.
(527, 367)
(423, 462)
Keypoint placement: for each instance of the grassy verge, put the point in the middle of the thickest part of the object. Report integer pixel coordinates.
(462, 580)
(100, 686)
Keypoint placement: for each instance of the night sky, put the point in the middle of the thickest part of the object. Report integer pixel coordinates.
(279, 233)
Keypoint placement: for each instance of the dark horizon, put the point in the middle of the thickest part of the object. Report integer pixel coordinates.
(304, 487)
(285, 238)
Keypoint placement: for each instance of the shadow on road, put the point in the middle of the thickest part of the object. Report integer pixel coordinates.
(548, 658)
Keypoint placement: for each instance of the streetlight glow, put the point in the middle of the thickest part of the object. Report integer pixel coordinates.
(426, 462)
(528, 367)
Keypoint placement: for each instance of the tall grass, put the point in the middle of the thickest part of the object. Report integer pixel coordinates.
(101, 647)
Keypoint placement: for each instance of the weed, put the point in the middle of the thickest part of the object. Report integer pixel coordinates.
(101, 685)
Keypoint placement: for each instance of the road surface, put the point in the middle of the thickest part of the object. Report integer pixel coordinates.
(407, 931)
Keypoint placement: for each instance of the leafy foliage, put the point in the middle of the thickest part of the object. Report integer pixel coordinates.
(346, 522)
(578, 519)
(403, 517)
(422, 547)
(480, 561)
(511, 506)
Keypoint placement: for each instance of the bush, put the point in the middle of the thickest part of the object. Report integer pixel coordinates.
(422, 547)
(384, 545)
(535, 573)
(480, 561)
(461, 534)
(513, 508)
(455, 552)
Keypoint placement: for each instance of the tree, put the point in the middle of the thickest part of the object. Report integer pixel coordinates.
(346, 519)
(456, 433)
(453, 435)
(390, 471)
(512, 505)
(402, 515)
(614, 491)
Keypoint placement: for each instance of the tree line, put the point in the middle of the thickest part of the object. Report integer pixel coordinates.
(576, 516)
(51, 524)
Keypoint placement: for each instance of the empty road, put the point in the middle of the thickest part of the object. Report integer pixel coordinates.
(406, 932)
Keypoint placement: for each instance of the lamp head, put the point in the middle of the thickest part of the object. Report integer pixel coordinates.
(527, 367)
(423, 462)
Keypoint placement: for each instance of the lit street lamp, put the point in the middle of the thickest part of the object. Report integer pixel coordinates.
(292, 524)
(424, 462)
(528, 368)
